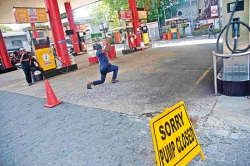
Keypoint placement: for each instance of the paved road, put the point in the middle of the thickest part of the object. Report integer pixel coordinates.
(109, 125)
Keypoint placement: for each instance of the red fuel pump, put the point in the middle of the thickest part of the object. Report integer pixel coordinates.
(132, 39)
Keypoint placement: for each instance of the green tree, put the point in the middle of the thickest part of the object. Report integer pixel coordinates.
(5, 28)
(108, 9)
(184, 26)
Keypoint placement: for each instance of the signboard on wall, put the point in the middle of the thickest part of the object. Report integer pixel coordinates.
(38, 28)
(125, 14)
(81, 28)
(152, 24)
(30, 15)
(214, 11)
(205, 9)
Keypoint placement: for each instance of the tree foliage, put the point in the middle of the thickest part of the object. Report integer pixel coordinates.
(108, 10)
(5, 28)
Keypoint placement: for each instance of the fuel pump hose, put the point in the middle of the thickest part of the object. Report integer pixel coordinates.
(236, 28)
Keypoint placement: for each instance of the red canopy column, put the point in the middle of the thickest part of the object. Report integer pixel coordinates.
(72, 26)
(35, 34)
(4, 53)
(133, 8)
(57, 30)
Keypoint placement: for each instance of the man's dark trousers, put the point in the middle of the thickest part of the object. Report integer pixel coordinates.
(27, 73)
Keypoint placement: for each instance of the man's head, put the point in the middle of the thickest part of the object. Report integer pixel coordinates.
(22, 49)
(98, 47)
(211, 23)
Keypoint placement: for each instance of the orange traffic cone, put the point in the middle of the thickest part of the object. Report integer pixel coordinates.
(51, 98)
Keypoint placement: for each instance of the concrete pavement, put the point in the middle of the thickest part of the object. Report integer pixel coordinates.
(109, 125)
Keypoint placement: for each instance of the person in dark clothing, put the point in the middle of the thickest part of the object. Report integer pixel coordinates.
(34, 65)
(15, 53)
(105, 66)
(25, 63)
(211, 30)
(14, 58)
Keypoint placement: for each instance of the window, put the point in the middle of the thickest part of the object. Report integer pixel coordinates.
(17, 43)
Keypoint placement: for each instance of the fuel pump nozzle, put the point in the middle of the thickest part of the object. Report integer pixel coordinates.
(235, 30)
(235, 35)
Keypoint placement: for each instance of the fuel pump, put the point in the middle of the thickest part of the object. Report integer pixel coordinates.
(42, 48)
(131, 36)
(144, 30)
(45, 54)
(234, 78)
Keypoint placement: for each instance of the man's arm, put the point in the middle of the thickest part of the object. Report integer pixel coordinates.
(106, 49)
(21, 59)
(16, 57)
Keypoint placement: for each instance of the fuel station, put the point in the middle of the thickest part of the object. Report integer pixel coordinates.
(235, 55)
(41, 46)
(117, 115)
(35, 13)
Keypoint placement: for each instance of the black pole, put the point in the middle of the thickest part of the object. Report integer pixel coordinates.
(104, 31)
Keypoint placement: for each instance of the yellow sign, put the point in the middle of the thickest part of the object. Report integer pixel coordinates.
(38, 28)
(142, 14)
(30, 15)
(45, 58)
(175, 142)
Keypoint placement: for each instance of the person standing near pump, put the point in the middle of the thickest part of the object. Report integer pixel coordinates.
(25, 63)
(105, 66)
(211, 30)
(15, 53)
(34, 65)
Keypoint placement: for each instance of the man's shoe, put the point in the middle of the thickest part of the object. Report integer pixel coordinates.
(29, 84)
(89, 86)
(114, 81)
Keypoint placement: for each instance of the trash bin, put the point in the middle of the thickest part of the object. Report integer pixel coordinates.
(165, 37)
(175, 36)
(112, 52)
(37, 76)
(169, 34)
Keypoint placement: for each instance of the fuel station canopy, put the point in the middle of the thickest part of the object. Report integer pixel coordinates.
(6, 7)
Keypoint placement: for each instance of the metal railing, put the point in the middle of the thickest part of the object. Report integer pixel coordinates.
(225, 56)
